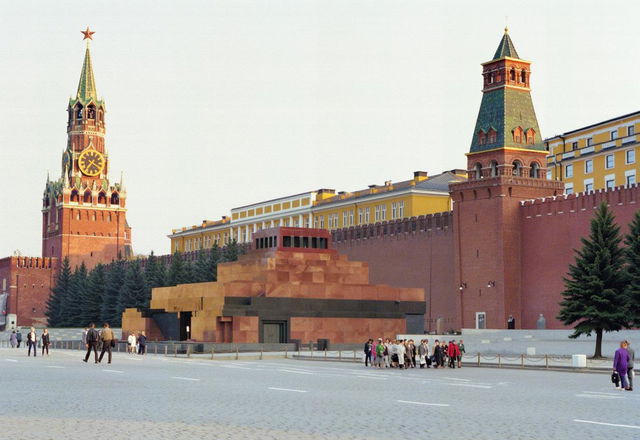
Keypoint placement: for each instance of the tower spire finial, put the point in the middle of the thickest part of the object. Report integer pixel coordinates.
(87, 84)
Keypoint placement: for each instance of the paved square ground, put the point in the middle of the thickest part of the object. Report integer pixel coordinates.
(155, 397)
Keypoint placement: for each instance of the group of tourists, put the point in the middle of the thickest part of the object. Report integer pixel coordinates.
(137, 343)
(404, 353)
(623, 367)
(32, 341)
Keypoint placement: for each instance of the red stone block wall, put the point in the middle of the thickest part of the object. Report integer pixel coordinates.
(245, 329)
(28, 283)
(422, 258)
(551, 230)
(345, 330)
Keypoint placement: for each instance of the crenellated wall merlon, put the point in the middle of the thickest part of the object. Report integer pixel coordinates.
(424, 223)
(568, 203)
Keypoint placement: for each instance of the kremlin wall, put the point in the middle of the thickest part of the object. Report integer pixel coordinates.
(461, 249)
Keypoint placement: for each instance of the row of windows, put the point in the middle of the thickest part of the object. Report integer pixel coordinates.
(195, 244)
(102, 197)
(304, 242)
(492, 77)
(609, 163)
(613, 135)
(609, 183)
(397, 210)
(91, 112)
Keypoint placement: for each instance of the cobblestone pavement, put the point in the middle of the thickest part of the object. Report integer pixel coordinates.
(155, 397)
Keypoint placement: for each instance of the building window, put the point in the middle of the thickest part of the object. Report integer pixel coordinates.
(360, 216)
(631, 130)
(535, 170)
(383, 212)
(610, 182)
(588, 187)
(609, 161)
(344, 219)
(517, 135)
(630, 177)
(394, 210)
(492, 136)
(549, 175)
(574, 146)
(351, 217)
(589, 142)
(630, 156)
(401, 209)
(568, 170)
(614, 135)
(377, 213)
(494, 168)
(531, 136)
(568, 189)
(478, 171)
(588, 166)
(367, 217)
(482, 137)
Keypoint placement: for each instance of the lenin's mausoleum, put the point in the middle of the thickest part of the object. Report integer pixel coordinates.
(498, 245)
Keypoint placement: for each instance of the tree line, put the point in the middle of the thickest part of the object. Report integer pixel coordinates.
(81, 296)
(602, 288)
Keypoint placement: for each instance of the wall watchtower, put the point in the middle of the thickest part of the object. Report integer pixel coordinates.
(505, 165)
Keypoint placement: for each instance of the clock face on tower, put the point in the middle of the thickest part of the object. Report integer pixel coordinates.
(91, 162)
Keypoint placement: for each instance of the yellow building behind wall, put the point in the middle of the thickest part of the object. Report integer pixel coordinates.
(324, 209)
(598, 156)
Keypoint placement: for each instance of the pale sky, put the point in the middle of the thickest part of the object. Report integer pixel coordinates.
(218, 104)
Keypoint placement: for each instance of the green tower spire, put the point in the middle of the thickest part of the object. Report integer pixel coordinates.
(87, 84)
(506, 47)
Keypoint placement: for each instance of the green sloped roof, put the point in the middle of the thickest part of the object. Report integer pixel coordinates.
(506, 47)
(504, 110)
(87, 84)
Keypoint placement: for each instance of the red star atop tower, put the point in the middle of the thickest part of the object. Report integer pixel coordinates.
(87, 34)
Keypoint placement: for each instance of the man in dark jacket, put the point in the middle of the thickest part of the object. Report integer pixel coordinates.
(630, 365)
(92, 342)
(368, 347)
(142, 343)
(19, 338)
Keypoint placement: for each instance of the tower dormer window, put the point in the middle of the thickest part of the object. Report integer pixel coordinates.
(531, 136)
(78, 111)
(523, 77)
(491, 136)
(517, 135)
(91, 112)
(482, 137)
(512, 75)
(115, 199)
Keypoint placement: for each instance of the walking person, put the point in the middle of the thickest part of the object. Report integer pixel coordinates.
(142, 343)
(32, 340)
(19, 338)
(402, 351)
(630, 372)
(620, 364)
(108, 342)
(462, 352)
(13, 339)
(92, 338)
(380, 353)
(46, 341)
(423, 353)
(454, 354)
(387, 354)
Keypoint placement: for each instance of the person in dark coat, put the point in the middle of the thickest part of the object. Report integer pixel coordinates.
(46, 341)
(630, 373)
(32, 341)
(368, 347)
(142, 343)
(19, 338)
(92, 342)
(511, 322)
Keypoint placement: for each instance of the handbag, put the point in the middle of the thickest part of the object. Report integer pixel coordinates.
(615, 378)
(113, 343)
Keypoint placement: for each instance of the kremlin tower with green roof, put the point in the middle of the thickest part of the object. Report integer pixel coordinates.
(84, 215)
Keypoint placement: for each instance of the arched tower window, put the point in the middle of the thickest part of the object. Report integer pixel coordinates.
(100, 115)
(523, 76)
(535, 170)
(517, 168)
(87, 197)
(74, 196)
(91, 111)
(494, 168)
(102, 198)
(115, 199)
(512, 74)
(478, 171)
(78, 111)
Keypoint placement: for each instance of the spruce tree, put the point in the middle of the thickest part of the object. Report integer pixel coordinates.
(154, 272)
(115, 280)
(91, 302)
(58, 293)
(201, 268)
(632, 270)
(231, 251)
(594, 288)
(177, 272)
(133, 292)
(214, 259)
(71, 306)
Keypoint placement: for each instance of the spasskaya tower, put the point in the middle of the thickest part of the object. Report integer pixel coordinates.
(83, 213)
